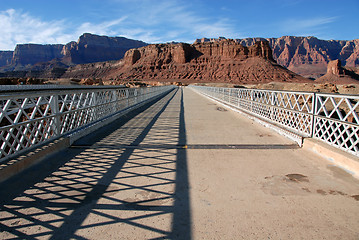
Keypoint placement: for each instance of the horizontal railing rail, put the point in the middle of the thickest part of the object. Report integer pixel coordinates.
(331, 118)
(30, 117)
(50, 87)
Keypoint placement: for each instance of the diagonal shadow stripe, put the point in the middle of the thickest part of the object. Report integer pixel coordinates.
(181, 224)
(74, 221)
(16, 185)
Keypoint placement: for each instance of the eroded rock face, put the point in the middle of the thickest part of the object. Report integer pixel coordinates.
(335, 67)
(5, 57)
(209, 61)
(308, 56)
(93, 48)
(160, 54)
(25, 54)
(336, 74)
(181, 53)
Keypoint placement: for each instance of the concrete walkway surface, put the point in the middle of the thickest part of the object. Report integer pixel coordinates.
(183, 168)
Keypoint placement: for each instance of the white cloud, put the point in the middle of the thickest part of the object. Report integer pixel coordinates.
(19, 27)
(313, 26)
(167, 20)
(172, 21)
(103, 28)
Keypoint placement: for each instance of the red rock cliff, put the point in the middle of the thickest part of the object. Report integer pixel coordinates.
(309, 55)
(339, 75)
(222, 61)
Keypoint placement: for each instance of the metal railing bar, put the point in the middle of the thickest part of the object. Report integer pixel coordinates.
(37, 117)
(332, 118)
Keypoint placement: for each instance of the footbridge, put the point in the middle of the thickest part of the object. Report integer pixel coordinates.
(177, 163)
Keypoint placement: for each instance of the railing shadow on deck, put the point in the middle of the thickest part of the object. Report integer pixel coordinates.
(103, 186)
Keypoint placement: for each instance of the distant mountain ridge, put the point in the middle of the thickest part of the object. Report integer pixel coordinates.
(226, 61)
(307, 56)
(88, 49)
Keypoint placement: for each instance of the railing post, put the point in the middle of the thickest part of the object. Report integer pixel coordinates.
(54, 104)
(128, 98)
(94, 104)
(314, 113)
(237, 97)
(117, 100)
(252, 97)
(272, 106)
(135, 94)
(141, 94)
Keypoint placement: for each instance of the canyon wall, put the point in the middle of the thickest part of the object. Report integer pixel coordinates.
(205, 59)
(89, 48)
(5, 57)
(307, 56)
(30, 54)
(93, 48)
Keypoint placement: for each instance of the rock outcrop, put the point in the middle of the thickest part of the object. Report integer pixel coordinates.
(93, 48)
(336, 74)
(335, 68)
(5, 57)
(307, 56)
(223, 61)
(30, 54)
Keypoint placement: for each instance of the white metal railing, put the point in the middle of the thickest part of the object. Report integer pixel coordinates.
(29, 118)
(332, 118)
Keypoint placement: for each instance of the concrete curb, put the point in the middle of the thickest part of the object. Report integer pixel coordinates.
(34, 156)
(337, 157)
(19, 164)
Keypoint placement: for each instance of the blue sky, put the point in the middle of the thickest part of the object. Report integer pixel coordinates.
(52, 21)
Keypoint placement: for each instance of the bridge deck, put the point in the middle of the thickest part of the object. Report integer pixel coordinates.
(183, 168)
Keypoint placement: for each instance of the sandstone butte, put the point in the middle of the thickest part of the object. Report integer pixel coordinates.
(223, 61)
(337, 74)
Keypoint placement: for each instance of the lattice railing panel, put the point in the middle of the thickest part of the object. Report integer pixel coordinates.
(343, 108)
(344, 136)
(244, 94)
(25, 135)
(335, 116)
(262, 110)
(293, 100)
(260, 96)
(289, 109)
(245, 104)
(296, 121)
(30, 118)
